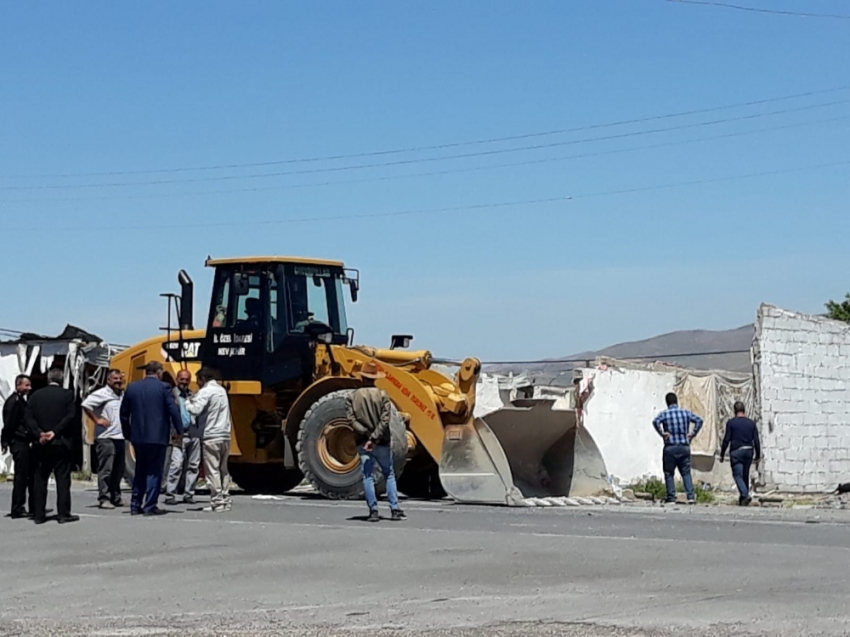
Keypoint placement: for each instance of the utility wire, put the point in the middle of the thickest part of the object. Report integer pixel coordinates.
(556, 361)
(435, 211)
(404, 162)
(530, 162)
(412, 149)
(728, 5)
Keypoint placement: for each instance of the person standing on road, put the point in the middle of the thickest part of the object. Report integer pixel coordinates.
(673, 425)
(50, 416)
(369, 412)
(104, 408)
(742, 439)
(148, 412)
(211, 407)
(17, 438)
(186, 457)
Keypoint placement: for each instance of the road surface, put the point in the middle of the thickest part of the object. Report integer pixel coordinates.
(308, 566)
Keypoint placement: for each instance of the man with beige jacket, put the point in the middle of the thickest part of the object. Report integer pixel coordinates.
(369, 413)
(211, 408)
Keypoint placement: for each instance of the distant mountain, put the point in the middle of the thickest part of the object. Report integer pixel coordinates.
(689, 348)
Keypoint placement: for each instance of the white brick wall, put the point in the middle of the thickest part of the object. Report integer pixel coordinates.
(803, 376)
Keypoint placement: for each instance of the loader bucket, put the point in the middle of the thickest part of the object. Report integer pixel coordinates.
(524, 450)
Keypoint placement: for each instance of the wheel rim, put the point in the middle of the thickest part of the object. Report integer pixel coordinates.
(338, 447)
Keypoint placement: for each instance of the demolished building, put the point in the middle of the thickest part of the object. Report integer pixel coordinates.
(83, 356)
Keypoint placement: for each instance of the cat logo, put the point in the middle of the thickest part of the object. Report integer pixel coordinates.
(190, 349)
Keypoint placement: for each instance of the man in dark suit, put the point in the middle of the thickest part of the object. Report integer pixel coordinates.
(16, 437)
(148, 412)
(50, 415)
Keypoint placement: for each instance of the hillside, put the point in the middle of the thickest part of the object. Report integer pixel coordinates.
(684, 348)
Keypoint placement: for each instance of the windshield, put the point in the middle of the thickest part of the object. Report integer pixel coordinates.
(315, 294)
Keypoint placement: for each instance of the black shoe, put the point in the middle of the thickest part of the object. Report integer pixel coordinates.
(373, 516)
(118, 503)
(153, 512)
(135, 512)
(39, 520)
(746, 501)
(70, 518)
(31, 516)
(188, 499)
(20, 515)
(170, 500)
(398, 515)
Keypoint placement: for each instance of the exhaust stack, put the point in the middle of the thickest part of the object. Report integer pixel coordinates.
(187, 301)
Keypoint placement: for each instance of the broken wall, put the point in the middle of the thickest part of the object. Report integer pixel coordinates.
(618, 414)
(802, 367)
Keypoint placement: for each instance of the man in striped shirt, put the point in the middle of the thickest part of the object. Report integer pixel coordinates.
(674, 426)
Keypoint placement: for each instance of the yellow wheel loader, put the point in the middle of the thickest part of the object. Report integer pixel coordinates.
(277, 335)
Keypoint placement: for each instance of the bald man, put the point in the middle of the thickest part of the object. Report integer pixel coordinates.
(186, 455)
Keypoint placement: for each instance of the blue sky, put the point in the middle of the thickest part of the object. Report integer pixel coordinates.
(94, 87)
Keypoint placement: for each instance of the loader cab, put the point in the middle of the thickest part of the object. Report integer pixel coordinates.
(266, 314)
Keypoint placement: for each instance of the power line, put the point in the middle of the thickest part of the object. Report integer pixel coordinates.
(557, 361)
(404, 162)
(727, 5)
(435, 211)
(529, 162)
(491, 140)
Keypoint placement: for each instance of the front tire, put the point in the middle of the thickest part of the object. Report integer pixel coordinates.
(327, 451)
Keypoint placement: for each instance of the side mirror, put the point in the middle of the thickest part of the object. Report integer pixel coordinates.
(400, 341)
(354, 286)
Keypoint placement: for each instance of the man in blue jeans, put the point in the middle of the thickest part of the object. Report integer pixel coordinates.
(369, 411)
(742, 438)
(673, 425)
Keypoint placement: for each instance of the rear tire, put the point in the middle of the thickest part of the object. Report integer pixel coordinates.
(269, 478)
(338, 475)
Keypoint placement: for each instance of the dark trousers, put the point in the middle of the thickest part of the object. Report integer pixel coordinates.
(677, 457)
(56, 460)
(150, 460)
(741, 461)
(24, 476)
(110, 469)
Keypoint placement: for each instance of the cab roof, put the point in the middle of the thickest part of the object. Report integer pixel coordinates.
(210, 262)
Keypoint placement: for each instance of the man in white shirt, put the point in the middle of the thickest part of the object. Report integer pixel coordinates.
(104, 408)
(211, 408)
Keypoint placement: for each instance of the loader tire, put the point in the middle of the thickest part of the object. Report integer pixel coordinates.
(327, 455)
(269, 478)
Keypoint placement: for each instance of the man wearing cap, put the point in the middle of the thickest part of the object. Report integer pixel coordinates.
(148, 412)
(369, 412)
(742, 439)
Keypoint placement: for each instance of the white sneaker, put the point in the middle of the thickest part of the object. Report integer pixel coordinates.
(212, 509)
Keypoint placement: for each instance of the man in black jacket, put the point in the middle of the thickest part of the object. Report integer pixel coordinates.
(16, 437)
(50, 416)
(742, 437)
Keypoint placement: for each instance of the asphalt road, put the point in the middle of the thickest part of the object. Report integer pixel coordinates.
(308, 566)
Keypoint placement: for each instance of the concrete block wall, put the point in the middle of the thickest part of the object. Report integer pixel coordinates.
(802, 367)
(619, 416)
